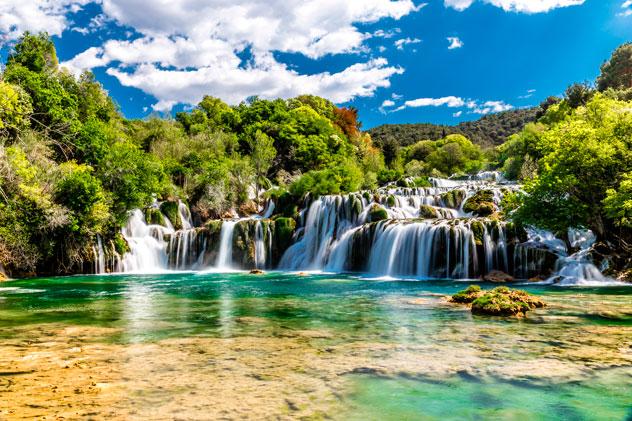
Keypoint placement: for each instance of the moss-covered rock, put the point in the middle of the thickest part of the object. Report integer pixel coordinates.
(467, 295)
(502, 301)
(453, 198)
(120, 244)
(282, 239)
(169, 208)
(153, 216)
(377, 213)
(390, 200)
(478, 229)
(481, 204)
(427, 212)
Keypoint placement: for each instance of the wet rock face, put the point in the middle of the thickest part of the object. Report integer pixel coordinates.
(427, 212)
(153, 216)
(169, 208)
(481, 204)
(453, 198)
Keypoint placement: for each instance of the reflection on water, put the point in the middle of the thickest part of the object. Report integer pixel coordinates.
(308, 346)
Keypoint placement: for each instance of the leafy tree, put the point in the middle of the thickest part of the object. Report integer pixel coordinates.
(262, 154)
(618, 202)
(616, 73)
(34, 52)
(15, 109)
(578, 94)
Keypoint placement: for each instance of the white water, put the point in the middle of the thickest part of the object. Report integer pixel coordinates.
(225, 257)
(147, 246)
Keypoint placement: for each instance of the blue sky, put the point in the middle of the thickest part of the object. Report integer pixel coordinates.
(389, 58)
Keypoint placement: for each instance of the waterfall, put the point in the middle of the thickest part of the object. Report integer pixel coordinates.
(147, 246)
(263, 245)
(225, 257)
(99, 257)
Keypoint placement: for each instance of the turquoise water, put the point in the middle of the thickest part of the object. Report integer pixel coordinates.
(400, 349)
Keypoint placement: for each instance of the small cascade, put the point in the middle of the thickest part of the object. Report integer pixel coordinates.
(263, 245)
(578, 268)
(225, 257)
(99, 257)
(147, 246)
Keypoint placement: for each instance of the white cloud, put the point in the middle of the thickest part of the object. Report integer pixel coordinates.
(187, 48)
(388, 103)
(520, 6)
(529, 94)
(474, 106)
(400, 43)
(627, 6)
(17, 17)
(455, 42)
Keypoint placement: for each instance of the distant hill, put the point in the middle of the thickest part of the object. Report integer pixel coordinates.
(488, 131)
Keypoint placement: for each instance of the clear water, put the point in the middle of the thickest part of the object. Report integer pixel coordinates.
(364, 349)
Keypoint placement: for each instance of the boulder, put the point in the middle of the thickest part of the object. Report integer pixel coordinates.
(498, 276)
(481, 203)
(427, 212)
(377, 213)
(256, 272)
(453, 198)
(502, 301)
(467, 295)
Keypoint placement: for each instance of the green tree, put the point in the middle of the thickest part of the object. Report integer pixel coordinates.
(616, 73)
(34, 52)
(262, 155)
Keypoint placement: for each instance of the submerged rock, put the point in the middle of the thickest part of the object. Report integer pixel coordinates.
(256, 272)
(498, 277)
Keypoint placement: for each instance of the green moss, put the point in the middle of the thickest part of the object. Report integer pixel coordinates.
(120, 245)
(467, 295)
(453, 198)
(153, 216)
(502, 301)
(390, 200)
(427, 212)
(283, 232)
(169, 209)
(479, 231)
(356, 205)
(366, 195)
(377, 213)
(481, 204)
(286, 205)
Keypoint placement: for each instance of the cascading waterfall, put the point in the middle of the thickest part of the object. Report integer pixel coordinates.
(420, 232)
(225, 257)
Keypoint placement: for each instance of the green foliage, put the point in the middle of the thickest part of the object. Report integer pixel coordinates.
(481, 203)
(616, 73)
(618, 202)
(490, 130)
(467, 295)
(377, 213)
(502, 301)
(34, 52)
(343, 177)
(15, 109)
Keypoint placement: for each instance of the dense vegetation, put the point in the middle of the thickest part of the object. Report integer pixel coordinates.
(488, 131)
(72, 167)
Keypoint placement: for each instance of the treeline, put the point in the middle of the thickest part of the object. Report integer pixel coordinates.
(72, 167)
(488, 131)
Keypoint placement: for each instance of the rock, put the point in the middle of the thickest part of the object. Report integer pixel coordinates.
(3, 277)
(538, 278)
(427, 212)
(468, 295)
(249, 208)
(453, 198)
(502, 301)
(229, 214)
(256, 272)
(377, 213)
(169, 208)
(481, 204)
(153, 216)
(498, 276)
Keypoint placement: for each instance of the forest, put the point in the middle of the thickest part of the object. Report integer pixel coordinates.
(73, 167)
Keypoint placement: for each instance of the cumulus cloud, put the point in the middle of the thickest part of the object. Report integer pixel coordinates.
(187, 48)
(455, 42)
(35, 15)
(627, 9)
(520, 6)
(401, 43)
(473, 106)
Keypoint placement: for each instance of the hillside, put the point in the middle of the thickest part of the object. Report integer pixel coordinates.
(488, 131)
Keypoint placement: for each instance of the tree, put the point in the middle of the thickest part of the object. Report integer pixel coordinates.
(616, 73)
(578, 94)
(262, 154)
(35, 52)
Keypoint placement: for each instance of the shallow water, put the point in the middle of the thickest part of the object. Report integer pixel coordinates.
(195, 346)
